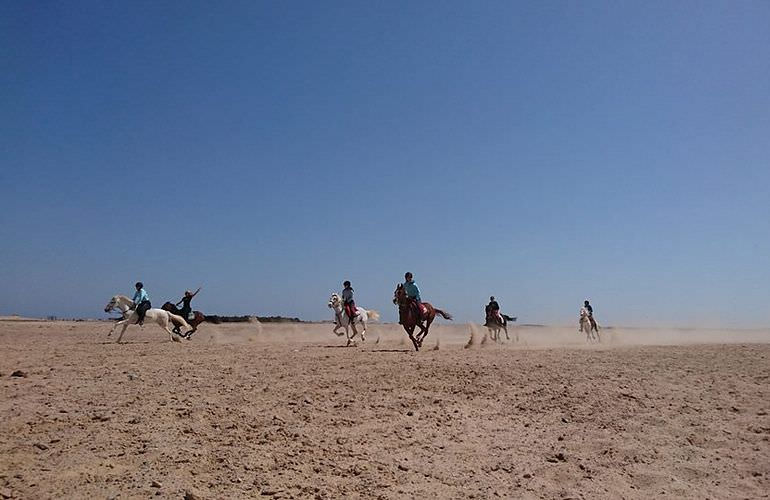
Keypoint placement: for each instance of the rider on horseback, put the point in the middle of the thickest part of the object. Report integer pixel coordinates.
(141, 302)
(413, 293)
(187, 308)
(348, 302)
(590, 313)
(492, 311)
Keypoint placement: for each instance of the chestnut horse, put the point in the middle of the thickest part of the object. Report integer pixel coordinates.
(198, 318)
(410, 319)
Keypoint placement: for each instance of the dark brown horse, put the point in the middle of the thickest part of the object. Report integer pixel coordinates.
(410, 319)
(198, 318)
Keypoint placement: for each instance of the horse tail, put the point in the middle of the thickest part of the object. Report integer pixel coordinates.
(178, 320)
(509, 318)
(374, 315)
(443, 314)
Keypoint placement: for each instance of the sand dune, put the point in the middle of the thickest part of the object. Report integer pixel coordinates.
(282, 411)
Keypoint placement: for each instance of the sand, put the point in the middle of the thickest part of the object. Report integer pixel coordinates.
(284, 411)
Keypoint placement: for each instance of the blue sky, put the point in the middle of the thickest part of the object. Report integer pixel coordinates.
(543, 152)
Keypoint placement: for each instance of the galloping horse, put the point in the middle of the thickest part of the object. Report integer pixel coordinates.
(410, 319)
(197, 319)
(589, 326)
(494, 326)
(130, 317)
(343, 321)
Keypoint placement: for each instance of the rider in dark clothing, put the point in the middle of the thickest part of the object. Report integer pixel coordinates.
(186, 307)
(492, 309)
(590, 312)
(348, 302)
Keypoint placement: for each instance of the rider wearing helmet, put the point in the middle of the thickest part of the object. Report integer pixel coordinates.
(492, 310)
(348, 302)
(413, 293)
(187, 308)
(590, 312)
(141, 302)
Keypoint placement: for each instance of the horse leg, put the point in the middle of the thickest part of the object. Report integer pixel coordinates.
(163, 322)
(177, 328)
(195, 324)
(410, 332)
(125, 323)
(174, 336)
(363, 331)
(347, 334)
(425, 330)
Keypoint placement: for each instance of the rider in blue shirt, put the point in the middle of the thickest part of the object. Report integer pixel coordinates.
(410, 287)
(413, 293)
(141, 302)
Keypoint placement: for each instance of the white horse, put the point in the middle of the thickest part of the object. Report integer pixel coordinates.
(494, 326)
(342, 320)
(589, 326)
(130, 317)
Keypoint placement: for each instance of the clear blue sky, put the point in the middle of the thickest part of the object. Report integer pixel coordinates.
(543, 152)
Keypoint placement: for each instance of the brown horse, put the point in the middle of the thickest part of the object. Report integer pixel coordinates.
(410, 319)
(198, 318)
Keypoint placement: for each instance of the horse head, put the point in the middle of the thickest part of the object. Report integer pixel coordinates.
(583, 312)
(168, 306)
(334, 301)
(120, 302)
(111, 304)
(399, 295)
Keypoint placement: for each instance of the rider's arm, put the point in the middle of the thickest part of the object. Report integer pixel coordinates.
(196, 292)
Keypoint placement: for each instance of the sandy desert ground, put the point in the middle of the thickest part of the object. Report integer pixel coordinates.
(282, 411)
